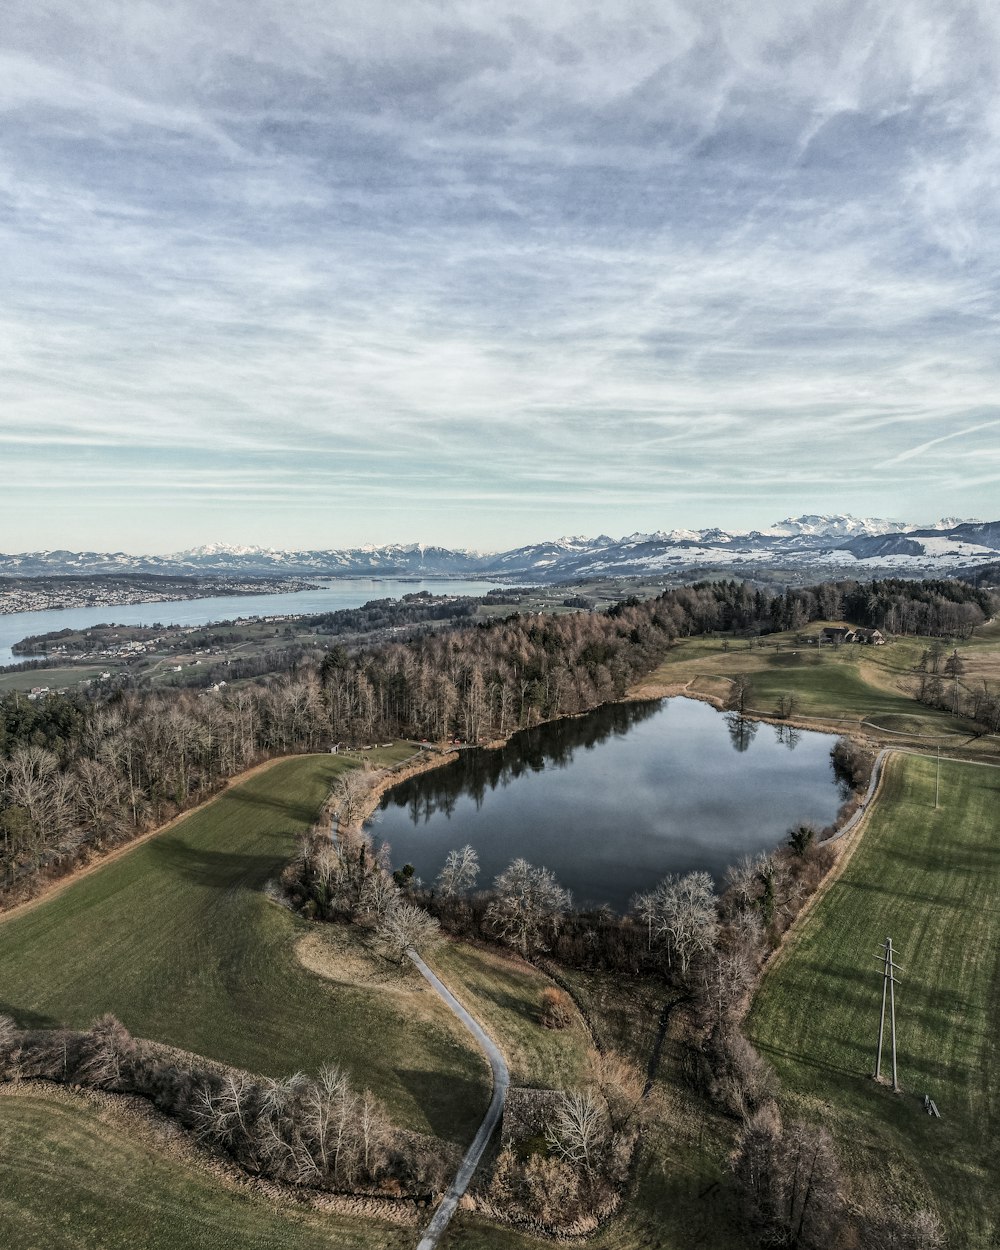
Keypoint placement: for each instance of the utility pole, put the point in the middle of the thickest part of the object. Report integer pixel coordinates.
(889, 968)
(937, 782)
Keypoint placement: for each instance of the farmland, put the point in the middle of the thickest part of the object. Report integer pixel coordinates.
(849, 689)
(930, 879)
(76, 1174)
(178, 940)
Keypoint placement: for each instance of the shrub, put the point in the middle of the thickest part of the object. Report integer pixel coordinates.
(557, 1008)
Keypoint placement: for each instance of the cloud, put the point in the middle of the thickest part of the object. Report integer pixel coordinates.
(943, 438)
(590, 261)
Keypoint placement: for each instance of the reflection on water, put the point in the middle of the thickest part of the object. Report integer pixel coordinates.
(741, 731)
(549, 746)
(613, 800)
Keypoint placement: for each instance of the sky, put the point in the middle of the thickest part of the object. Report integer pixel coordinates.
(319, 273)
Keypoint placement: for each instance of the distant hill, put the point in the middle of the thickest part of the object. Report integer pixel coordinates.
(831, 543)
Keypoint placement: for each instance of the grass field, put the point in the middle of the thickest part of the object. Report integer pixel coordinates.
(505, 994)
(931, 880)
(73, 1175)
(178, 940)
(67, 677)
(849, 688)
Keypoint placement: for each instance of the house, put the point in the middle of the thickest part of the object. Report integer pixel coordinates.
(872, 637)
(848, 633)
(836, 634)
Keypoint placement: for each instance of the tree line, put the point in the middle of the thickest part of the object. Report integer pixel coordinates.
(80, 771)
(320, 1132)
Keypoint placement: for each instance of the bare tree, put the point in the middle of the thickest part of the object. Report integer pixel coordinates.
(275, 1139)
(886, 1227)
(352, 793)
(740, 693)
(459, 873)
(373, 1132)
(790, 1181)
(726, 979)
(106, 1048)
(687, 916)
(379, 894)
(743, 882)
(646, 907)
(405, 925)
(528, 902)
(223, 1114)
(740, 1081)
(578, 1131)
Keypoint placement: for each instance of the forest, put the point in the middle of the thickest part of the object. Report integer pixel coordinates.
(83, 771)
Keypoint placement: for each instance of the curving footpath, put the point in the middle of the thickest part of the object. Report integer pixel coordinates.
(848, 825)
(501, 1081)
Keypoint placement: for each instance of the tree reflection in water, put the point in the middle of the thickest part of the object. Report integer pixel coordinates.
(788, 735)
(741, 731)
(480, 770)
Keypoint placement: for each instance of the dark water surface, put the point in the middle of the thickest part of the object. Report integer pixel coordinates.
(614, 800)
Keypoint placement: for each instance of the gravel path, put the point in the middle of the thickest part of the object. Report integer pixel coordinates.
(501, 1080)
(869, 795)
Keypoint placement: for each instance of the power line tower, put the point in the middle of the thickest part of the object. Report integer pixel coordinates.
(889, 969)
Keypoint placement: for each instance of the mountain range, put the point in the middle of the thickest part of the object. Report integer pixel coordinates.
(825, 544)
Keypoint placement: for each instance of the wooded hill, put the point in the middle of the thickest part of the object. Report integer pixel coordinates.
(90, 769)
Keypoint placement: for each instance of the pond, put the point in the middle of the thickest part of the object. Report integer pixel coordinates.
(613, 801)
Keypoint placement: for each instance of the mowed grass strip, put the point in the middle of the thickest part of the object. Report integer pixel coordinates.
(178, 940)
(930, 879)
(73, 1177)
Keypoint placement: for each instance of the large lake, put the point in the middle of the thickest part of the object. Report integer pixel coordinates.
(614, 800)
(328, 597)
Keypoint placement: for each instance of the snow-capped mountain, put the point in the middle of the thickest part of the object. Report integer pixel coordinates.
(823, 544)
(826, 526)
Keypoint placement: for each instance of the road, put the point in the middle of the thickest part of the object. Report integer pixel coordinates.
(501, 1081)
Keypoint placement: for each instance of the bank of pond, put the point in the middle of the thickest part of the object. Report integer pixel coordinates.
(614, 800)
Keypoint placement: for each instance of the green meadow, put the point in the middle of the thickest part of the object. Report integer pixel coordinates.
(930, 879)
(178, 939)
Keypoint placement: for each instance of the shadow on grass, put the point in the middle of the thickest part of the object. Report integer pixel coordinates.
(26, 1019)
(454, 1105)
(814, 1061)
(222, 870)
(302, 811)
(507, 1001)
(895, 892)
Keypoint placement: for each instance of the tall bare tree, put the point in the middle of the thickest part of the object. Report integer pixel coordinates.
(458, 876)
(528, 907)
